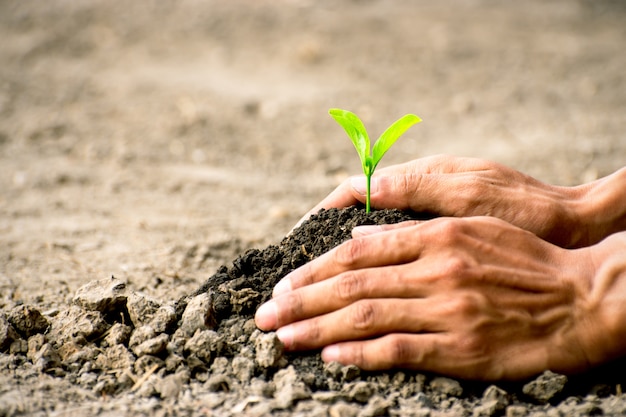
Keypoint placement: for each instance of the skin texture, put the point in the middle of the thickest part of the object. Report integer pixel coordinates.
(463, 187)
(470, 296)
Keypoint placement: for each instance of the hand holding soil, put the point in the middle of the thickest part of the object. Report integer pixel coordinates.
(460, 187)
(472, 297)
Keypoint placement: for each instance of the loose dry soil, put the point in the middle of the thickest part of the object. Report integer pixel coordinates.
(155, 154)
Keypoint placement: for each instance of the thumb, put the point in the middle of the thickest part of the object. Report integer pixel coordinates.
(388, 191)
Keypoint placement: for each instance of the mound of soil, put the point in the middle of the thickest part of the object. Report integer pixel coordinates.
(203, 355)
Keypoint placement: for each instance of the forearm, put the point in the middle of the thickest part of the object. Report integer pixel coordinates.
(601, 207)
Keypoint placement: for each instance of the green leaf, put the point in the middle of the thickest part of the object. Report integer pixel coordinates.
(355, 130)
(391, 135)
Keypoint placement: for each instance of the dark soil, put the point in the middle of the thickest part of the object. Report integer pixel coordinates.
(156, 141)
(205, 349)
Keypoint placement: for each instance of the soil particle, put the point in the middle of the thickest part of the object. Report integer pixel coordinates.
(204, 352)
(269, 350)
(545, 387)
(7, 333)
(27, 320)
(103, 295)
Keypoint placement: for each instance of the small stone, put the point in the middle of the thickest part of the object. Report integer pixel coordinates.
(116, 357)
(104, 295)
(147, 363)
(149, 387)
(220, 365)
(343, 409)
(218, 383)
(205, 344)
(244, 300)
(141, 308)
(243, 368)
(173, 361)
(163, 319)
(361, 391)
(78, 325)
(171, 385)
(329, 397)
(377, 406)
(140, 335)
(516, 411)
(18, 347)
(446, 386)
(350, 372)
(34, 344)
(289, 388)
(487, 408)
(545, 387)
(423, 400)
(7, 333)
(153, 346)
(69, 350)
(497, 394)
(269, 350)
(333, 369)
(118, 334)
(262, 388)
(27, 320)
(46, 358)
(198, 315)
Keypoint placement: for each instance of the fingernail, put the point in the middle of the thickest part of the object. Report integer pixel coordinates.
(283, 286)
(266, 316)
(359, 184)
(331, 353)
(366, 230)
(285, 335)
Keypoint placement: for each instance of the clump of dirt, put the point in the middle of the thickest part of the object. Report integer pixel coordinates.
(203, 355)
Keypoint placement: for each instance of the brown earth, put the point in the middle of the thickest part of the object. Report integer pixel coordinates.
(156, 141)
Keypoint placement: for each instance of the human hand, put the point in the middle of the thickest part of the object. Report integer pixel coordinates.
(461, 187)
(469, 297)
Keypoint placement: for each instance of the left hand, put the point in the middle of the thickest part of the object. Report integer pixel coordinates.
(469, 297)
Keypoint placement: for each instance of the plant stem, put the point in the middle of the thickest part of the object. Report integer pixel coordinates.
(367, 194)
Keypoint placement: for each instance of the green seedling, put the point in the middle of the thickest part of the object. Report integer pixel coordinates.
(358, 135)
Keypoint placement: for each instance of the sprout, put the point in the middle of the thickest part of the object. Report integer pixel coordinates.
(358, 135)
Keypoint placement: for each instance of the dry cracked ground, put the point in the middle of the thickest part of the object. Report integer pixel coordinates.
(147, 147)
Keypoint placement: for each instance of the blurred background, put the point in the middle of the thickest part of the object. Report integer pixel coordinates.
(156, 140)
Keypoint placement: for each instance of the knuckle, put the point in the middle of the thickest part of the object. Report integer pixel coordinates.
(450, 230)
(399, 350)
(349, 286)
(456, 267)
(350, 252)
(466, 305)
(407, 184)
(473, 191)
(363, 315)
(312, 333)
(292, 306)
(472, 345)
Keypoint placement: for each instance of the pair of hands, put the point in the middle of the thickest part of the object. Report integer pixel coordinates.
(486, 292)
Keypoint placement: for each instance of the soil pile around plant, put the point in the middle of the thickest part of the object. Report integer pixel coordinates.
(203, 355)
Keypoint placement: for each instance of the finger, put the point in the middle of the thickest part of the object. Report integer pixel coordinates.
(448, 354)
(426, 352)
(365, 319)
(388, 248)
(439, 164)
(415, 280)
(439, 184)
(367, 230)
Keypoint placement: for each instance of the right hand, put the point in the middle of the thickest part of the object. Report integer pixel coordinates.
(462, 187)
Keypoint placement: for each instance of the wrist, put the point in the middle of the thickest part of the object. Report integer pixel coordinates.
(606, 299)
(600, 208)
